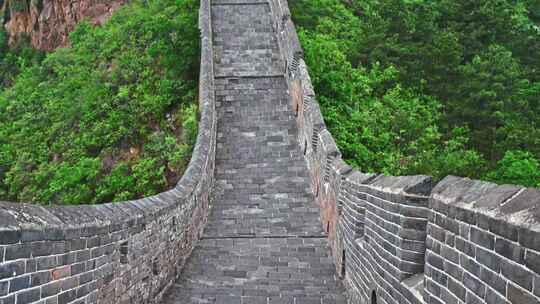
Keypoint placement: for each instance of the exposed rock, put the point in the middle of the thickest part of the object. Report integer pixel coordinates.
(47, 23)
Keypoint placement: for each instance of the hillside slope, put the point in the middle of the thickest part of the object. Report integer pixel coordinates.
(431, 87)
(111, 118)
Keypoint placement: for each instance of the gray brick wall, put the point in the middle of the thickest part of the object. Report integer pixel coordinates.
(376, 224)
(483, 243)
(128, 252)
(393, 239)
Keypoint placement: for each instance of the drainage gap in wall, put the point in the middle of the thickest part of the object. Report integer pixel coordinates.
(173, 223)
(155, 267)
(124, 252)
(305, 147)
(374, 297)
(343, 264)
(145, 279)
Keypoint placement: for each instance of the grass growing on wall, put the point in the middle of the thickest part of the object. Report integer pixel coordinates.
(111, 118)
(431, 87)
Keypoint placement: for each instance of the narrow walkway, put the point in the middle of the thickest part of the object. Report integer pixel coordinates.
(263, 242)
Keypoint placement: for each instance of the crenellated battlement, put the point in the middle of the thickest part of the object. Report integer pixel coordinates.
(405, 239)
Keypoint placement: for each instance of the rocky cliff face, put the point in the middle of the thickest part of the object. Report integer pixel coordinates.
(48, 23)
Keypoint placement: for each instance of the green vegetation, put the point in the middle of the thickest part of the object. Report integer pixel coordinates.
(16, 58)
(111, 118)
(433, 87)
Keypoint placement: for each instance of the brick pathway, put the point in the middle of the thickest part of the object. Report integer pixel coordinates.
(263, 242)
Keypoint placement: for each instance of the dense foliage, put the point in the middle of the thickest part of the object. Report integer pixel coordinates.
(15, 58)
(434, 87)
(111, 118)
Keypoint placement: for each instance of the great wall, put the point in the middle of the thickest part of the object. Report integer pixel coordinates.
(268, 212)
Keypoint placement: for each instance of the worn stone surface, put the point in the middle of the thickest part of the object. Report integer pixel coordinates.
(263, 242)
(244, 40)
(258, 270)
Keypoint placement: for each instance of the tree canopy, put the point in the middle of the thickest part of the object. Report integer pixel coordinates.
(429, 87)
(112, 117)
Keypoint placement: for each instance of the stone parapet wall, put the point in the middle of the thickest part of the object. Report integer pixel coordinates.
(401, 240)
(127, 252)
(483, 243)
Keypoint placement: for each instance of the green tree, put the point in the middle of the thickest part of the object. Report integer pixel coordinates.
(517, 167)
(433, 87)
(113, 117)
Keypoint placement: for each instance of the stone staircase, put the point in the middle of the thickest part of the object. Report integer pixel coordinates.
(263, 242)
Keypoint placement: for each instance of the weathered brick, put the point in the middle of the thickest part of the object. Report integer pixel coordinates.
(18, 251)
(11, 269)
(453, 270)
(435, 260)
(40, 278)
(4, 285)
(436, 232)
(67, 296)
(470, 265)
(61, 272)
(448, 297)
(532, 261)
(536, 284)
(466, 216)
(488, 259)
(509, 250)
(42, 249)
(78, 268)
(77, 244)
(493, 297)
(517, 274)
(9, 236)
(450, 254)
(504, 229)
(19, 283)
(8, 300)
(529, 239)
(92, 242)
(472, 298)
(474, 285)
(28, 296)
(466, 247)
(519, 295)
(482, 238)
(433, 288)
(493, 280)
(50, 289)
(44, 263)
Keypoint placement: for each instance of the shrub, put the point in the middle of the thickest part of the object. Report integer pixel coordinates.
(110, 118)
